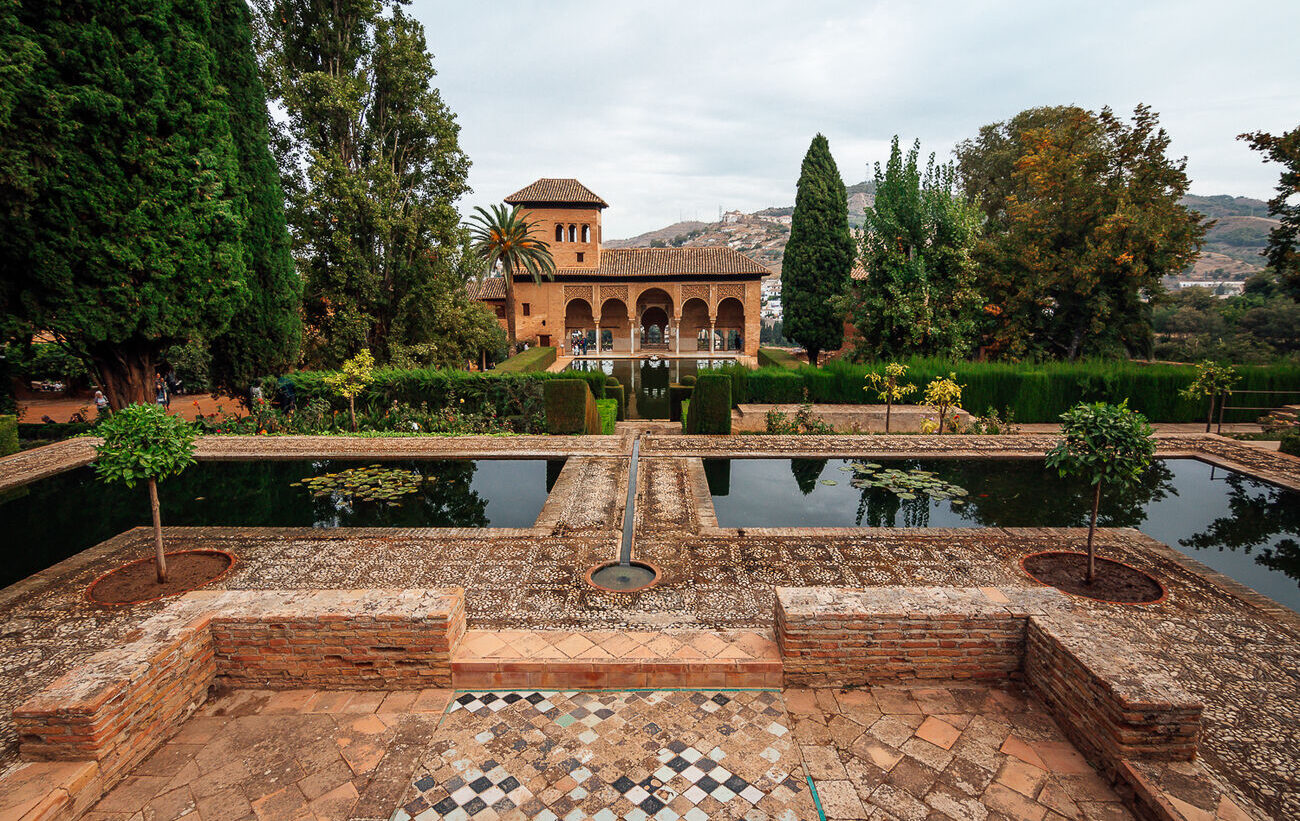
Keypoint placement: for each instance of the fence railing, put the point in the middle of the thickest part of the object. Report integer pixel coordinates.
(1273, 399)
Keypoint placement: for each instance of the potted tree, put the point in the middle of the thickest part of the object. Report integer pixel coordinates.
(1108, 446)
(145, 443)
(1215, 381)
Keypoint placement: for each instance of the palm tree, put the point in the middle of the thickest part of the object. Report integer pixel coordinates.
(504, 236)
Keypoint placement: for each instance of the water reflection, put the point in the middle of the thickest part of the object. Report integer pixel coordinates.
(1262, 518)
(646, 381)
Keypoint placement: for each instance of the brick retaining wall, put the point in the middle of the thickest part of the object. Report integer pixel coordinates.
(119, 705)
(1109, 698)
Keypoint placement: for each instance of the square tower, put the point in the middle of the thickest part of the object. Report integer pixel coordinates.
(567, 216)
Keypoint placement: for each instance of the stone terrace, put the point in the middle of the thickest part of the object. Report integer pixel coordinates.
(1220, 642)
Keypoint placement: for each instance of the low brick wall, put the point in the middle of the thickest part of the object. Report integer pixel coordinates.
(118, 706)
(1110, 699)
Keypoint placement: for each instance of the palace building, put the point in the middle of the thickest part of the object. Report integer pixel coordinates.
(670, 301)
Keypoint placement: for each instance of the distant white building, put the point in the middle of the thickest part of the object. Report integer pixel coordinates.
(1221, 288)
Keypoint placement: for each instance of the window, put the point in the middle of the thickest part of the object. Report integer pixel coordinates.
(573, 233)
(586, 233)
(559, 232)
(528, 309)
(580, 255)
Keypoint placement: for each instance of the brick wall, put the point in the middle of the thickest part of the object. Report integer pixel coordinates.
(119, 705)
(1109, 698)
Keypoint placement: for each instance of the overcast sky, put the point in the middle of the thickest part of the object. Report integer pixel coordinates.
(671, 110)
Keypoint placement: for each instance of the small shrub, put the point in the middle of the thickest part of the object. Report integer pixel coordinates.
(1290, 443)
(356, 374)
(608, 410)
(686, 408)
(803, 423)
(943, 395)
(689, 380)
(677, 396)
(8, 434)
(615, 394)
(567, 404)
(710, 408)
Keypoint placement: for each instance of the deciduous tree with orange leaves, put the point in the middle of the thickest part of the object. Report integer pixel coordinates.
(1082, 220)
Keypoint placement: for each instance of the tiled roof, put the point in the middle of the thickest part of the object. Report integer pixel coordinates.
(858, 272)
(635, 262)
(549, 189)
(489, 288)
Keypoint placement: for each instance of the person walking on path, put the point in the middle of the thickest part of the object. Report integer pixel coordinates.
(101, 404)
(160, 388)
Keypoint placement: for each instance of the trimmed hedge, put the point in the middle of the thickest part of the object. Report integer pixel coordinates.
(8, 434)
(613, 390)
(608, 410)
(1290, 443)
(1030, 392)
(686, 408)
(677, 396)
(53, 430)
(533, 359)
(570, 407)
(710, 407)
(778, 358)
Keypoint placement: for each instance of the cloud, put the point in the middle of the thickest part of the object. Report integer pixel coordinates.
(671, 109)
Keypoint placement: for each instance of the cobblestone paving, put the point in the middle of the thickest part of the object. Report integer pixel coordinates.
(943, 752)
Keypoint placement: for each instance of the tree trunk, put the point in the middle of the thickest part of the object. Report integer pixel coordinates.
(889, 403)
(942, 413)
(352, 412)
(510, 310)
(160, 557)
(127, 372)
(812, 356)
(1092, 529)
(1209, 417)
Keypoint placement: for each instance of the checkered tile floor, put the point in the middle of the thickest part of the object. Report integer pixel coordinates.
(631, 755)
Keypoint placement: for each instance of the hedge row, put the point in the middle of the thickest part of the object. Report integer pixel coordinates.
(778, 358)
(709, 409)
(608, 410)
(613, 390)
(1290, 443)
(507, 394)
(1031, 393)
(571, 408)
(8, 435)
(533, 359)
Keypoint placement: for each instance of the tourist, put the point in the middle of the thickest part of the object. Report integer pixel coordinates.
(101, 404)
(160, 391)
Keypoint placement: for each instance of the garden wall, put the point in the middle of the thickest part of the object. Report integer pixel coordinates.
(1111, 700)
(1031, 392)
(122, 703)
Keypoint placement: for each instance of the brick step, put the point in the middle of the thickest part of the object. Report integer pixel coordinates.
(599, 659)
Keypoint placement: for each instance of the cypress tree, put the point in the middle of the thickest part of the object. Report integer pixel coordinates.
(265, 334)
(121, 232)
(818, 256)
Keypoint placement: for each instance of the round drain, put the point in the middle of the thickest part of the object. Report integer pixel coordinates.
(623, 578)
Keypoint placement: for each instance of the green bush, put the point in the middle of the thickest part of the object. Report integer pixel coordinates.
(1290, 443)
(1030, 392)
(608, 410)
(615, 392)
(710, 407)
(533, 359)
(8, 434)
(677, 396)
(686, 408)
(53, 430)
(570, 407)
(778, 358)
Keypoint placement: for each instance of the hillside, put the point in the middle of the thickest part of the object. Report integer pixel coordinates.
(1231, 251)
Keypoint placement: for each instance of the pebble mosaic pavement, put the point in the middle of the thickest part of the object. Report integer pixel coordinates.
(1236, 653)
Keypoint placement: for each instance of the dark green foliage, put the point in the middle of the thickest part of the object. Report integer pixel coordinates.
(266, 332)
(777, 358)
(608, 410)
(534, 359)
(371, 163)
(143, 442)
(689, 379)
(616, 393)
(121, 212)
(805, 473)
(918, 298)
(1032, 393)
(1260, 325)
(678, 396)
(8, 434)
(1290, 442)
(53, 432)
(570, 407)
(710, 406)
(1283, 251)
(819, 254)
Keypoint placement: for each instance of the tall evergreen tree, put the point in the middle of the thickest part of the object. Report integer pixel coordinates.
(1083, 219)
(818, 256)
(918, 298)
(120, 231)
(1283, 251)
(371, 164)
(266, 332)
